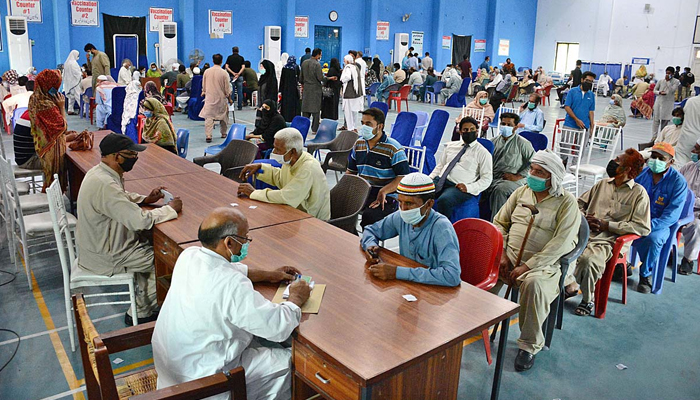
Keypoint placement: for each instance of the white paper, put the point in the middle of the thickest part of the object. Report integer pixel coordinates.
(168, 196)
(621, 366)
(118, 361)
(234, 204)
(253, 207)
(285, 295)
(410, 297)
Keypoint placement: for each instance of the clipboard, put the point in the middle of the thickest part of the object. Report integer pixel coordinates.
(312, 305)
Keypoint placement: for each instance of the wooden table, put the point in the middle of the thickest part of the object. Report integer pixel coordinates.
(367, 342)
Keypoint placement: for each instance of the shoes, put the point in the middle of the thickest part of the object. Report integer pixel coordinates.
(617, 275)
(524, 361)
(130, 321)
(686, 267)
(208, 140)
(644, 285)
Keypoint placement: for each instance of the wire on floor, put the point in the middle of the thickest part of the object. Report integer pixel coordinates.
(14, 275)
(16, 348)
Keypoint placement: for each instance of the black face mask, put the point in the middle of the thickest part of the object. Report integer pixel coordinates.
(469, 137)
(128, 163)
(586, 86)
(612, 168)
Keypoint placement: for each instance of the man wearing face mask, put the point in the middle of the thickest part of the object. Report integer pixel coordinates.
(666, 188)
(511, 162)
(531, 117)
(97, 62)
(464, 169)
(424, 236)
(381, 161)
(580, 104)
(301, 180)
(110, 227)
(691, 232)
(553, 234)
(213, 316)
(124, 77)
(613, 207)
(665, 91)
(670, 134)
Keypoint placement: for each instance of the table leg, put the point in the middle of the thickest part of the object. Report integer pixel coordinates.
(499, 359)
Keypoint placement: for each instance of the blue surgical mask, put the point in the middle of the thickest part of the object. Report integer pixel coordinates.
(147, 113)
(411, 217)
(694, 157)
(235, 258)
(367, 132)
(612, 102)
(483, 101)
(536, 183)
(506, 131)
(531, 105)
(261, 70)
(677, 121)
(657, 166)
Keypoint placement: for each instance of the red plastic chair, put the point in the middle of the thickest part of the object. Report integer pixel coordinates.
(558, 122)
(398, 96)
(139, 126)
(602, 287)
(170, 96)
(481, 245)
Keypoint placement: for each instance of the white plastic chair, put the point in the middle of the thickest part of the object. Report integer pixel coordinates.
(416, 157)
(476, 113)
(21, 173)
(604, 140)
(569, 145)
(73, 276)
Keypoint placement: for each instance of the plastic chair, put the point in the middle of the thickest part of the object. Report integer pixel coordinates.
(403, 128)
(416, 158)
(470, 208)
(459, 99)
(348, 198)
(481, 245)
(380, 105)
(538, 140)
(604, 139)
(398, 96)
(325, 134)
(602, 287)
(340, 149)
(421, 124)
(183, 142)
(557, 124)
(170, 94)
(302, 124)
(85, 106)
(236, 154)
(17, 114)
(433, 137)
(512, 94)
(569, 146)
(497, 117)
(431, 92)
(237, 131)
(371, 91)
(114, 121)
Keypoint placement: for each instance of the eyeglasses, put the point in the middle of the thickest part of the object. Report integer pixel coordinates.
(247, 239)
(129, 155)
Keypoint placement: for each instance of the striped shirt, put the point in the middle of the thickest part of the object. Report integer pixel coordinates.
(22, 139)
(380, 164)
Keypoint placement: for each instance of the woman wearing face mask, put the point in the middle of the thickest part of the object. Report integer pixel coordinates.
(481, 101)
(501, 93)
(72, 79)
(382, 92)
(270, 123)
(428, 82)
(158, 129)
(329, 105)
(267, 82)
(153, 72)
(614, 114)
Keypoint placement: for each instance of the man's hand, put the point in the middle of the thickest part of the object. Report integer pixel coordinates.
(512, 177)
(383, 271)
(176, 204)
(285, 273)
(372, 254)
(516, 272)
(87, 55)
(154, 196)
(380, 201)
(249, 170)
(462, 187)
(299, 292)
(505, 265)
(580, 123)
(333, 78)
(245, 189)
(520, 125)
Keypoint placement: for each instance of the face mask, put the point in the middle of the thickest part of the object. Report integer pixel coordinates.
(147, 113)
(506, 131)
(694, 157)
(262, 70)
(531, 105)
(244, 252)
(657, 166)
(153, 68)
(612, 168)
(280, 158)
(483, 101)
(469, 137)
(411, 217)
(128, 164)
(586, 86)
(537, 184)
(367, 132)
(612, 102)
(677, 121)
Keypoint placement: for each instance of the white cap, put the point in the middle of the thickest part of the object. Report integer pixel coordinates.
(196, 70)
(102, 78)
(176, 66)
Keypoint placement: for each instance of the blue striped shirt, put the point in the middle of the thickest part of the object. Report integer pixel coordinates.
(380, 164)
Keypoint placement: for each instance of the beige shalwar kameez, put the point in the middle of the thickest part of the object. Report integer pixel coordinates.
(216, 90)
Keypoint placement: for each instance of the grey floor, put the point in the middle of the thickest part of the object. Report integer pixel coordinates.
(655, 336)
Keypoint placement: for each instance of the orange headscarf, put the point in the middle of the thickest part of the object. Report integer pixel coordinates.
(46, 115)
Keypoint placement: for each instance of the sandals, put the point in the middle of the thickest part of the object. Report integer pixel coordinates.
(208, 140)
(568, 295)
(584, 309)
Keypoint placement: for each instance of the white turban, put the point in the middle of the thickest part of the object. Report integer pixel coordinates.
(102, 78)
(195, 70)
(175, 66)
(551, 162)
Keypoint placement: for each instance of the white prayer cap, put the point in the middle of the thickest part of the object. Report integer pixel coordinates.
(196, 70)
(348, 59)
(551, 162)
(102, 78)
(415, 184)
(175, 66)
(698, 142)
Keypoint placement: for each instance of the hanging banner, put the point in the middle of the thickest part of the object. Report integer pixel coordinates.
(504, 47)
(446, 40)
(417, 42)
(301, 26)
(479, 45)
(640, 61)
(382, 30)
(157, 15)
(84, 13)
(220, 23)
(30, 9)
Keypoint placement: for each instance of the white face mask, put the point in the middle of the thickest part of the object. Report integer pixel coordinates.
(367, 132)
(280, 158)
(506, 131)
(413, 216)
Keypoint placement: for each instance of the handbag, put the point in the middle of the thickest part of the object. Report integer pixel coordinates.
(84, 141)
(327, 91)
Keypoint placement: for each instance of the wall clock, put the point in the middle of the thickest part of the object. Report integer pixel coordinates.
(333, 16)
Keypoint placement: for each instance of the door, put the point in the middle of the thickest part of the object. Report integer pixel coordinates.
(328, 39)
(126, 46)
(461, 46)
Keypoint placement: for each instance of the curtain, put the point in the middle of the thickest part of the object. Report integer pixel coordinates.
(461, 45)
(125, 25)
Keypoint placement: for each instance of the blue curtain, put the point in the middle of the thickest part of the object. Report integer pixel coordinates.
(126, 47)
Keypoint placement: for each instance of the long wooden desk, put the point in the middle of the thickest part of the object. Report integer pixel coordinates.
(367, 342)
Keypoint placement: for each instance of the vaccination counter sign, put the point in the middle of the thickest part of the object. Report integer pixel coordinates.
(84, 13)
(220, 23)
(30, 9)
(156, 15)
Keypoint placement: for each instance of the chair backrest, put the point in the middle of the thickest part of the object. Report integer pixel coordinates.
(114, 121)
(373, 88)
(687, 211)
(88, 92)
(10, 195)
(438, 86)
(486, 143)
(569, 145)
(422, 118)
(61, 230)
(476, 113)
(503, 109)
(237, 154)
(604, 139)
(183, 140)
(513, 92)
(583, 236)
(87, 336)
(481, 245)
(17, 114)
(344, 141)
(433, 136)
(380, 105)
(348, 197)
(403, 128)
(463, 89)
(237, 132)
(301, 124)
(416, 158)
(538, 140)
(404, 91)
(326, 130)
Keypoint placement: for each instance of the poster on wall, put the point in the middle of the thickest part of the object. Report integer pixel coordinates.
(479, 45)
(220, 23)
(156, 15)
(446, 40)
(84, 13)
(504, 47)
(417, 42)
(301, 26)
(30, 9)
(382, 30)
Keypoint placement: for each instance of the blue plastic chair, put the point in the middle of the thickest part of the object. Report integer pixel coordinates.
(538, 140)
(380, 105)
(459, 99)
(402, 129)
(326, 132)
(260, 185)
(470, 208)
(196, 101)
(371, 91)
(114, 121)
(85, 106)
(432, 92)
(697, 90)
(301, 124)
(496, 119)
(433, 137)
(183, 142)
(17, 114)
(421, 124)
(237, 131)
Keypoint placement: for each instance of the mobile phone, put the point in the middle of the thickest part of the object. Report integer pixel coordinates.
(168, 197)
(373, 253)
(53, 92)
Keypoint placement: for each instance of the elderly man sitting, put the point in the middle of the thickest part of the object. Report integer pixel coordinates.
(691, 232)
(212, 316)
(424, 236)
(301, 181)
(613, 207)
(554, 233)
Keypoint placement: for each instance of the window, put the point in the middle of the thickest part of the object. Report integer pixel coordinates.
(566, 56)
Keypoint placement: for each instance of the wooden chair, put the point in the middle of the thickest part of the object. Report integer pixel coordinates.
(101, 383)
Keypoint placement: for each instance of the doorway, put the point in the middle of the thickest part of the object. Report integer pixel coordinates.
(461, 46)
(328, 39)
(565, 57)
(126, 46)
